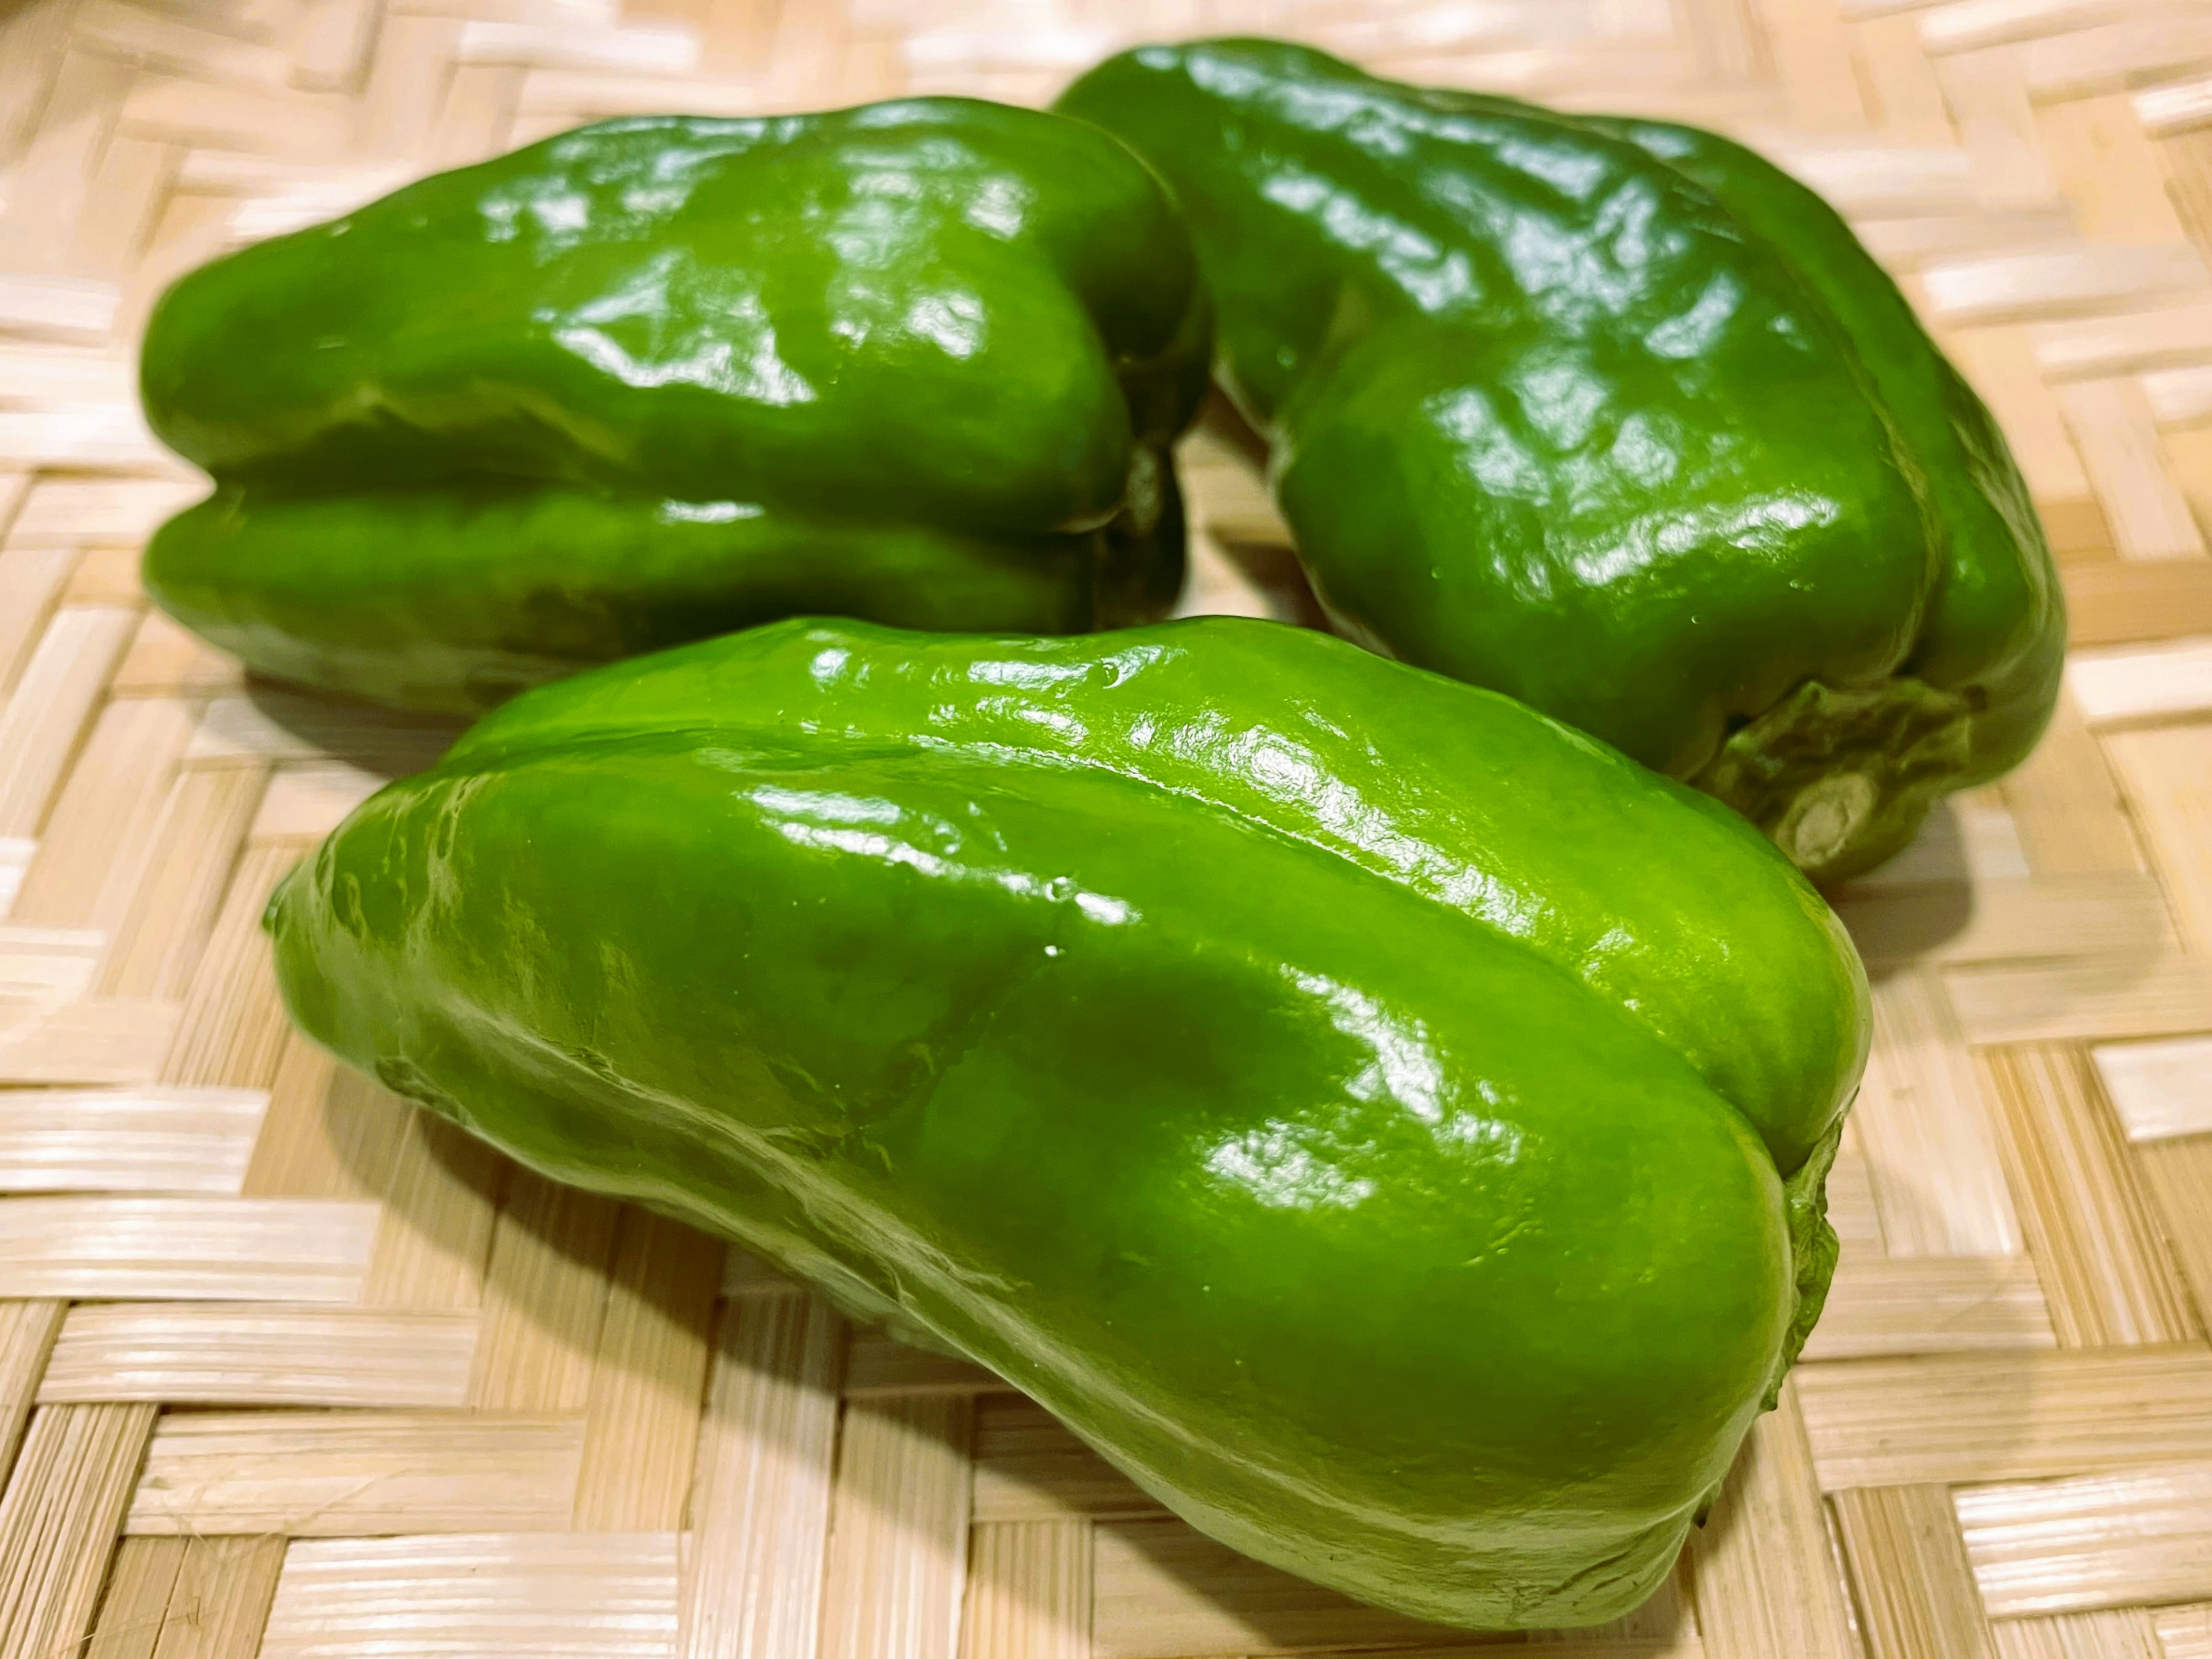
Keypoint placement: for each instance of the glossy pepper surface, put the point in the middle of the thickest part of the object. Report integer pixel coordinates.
(1387, 1124)
(1616, 418)
(657, 379)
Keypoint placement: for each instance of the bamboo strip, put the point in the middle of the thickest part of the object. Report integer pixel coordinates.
(2167, 778)
(2132, 1634)
(2104, 1267)
(1228, 494)
(2035, 286)
(341, 1474)
(232, 118)
(233, 1027)
(1970, 840)
(179, 46)
(79, 511)
(2177, 397)
(190, 1249)
(56, 169)
(2117, 605)
(306, 803)
(760, 1504)
(2110, 57)
(412, 56)
(2166, 110)
(581, 96)
(58, 434)
(2107, 166)
(1932, 1419)
(2091, 1541)
(1916, 1592)
(2183, 1632)
(478, 111)
(32, 375)
(261, 1354)
(898, 1530)
(307, 200)
(72, 307)
(136, 1604)
(2158, 1088)
(637, 51)
(1905, 246)
(107, 575)
(163, 937)
(545, 1298)
(329, 1132)
(1030, 1466)
(127, 193)
(1164, 1590)
(53, 698)
(1811, 49)
(285, 728)
(2068, 810)
(2178, 1174)
(878, 1364)
(15, 856)
(41, 966)
(236, 174)
(127, 1140)
(1851, 1209)
(2116, 429)
(2109, 911)
(58, 1522)
(2147, 682)
(596, 1596)
(1931, 1305)
(1028, 1592)
(332, 52)
(187, 231)
(221, 1601)
(435, 1231)
(641, 1415)
(1921, 1119)
(109, 1040)
(165, 661)
(108, 819)
(1764, 1582)
(1996, 124)
(27, 1330)
(2091, 999)
(2125, 342)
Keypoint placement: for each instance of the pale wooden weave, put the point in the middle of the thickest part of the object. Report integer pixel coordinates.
(287, 1370)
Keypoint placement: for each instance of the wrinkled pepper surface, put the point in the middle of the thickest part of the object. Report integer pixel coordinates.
(1616, 418)
(1386, 1123)
(657, 379)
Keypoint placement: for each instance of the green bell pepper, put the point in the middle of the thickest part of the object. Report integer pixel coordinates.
(1614, 417)
(657, 379)
(1386, 1123)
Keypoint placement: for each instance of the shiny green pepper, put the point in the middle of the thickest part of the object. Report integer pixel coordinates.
(655, 380)
(1613, 417)
(1387, 1124)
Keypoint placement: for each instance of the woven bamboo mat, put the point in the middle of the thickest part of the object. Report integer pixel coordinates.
(287, 1370)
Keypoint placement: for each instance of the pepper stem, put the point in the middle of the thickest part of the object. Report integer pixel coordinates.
(1840, 777)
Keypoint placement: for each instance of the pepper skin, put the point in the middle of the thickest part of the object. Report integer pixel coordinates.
(1613, 417)
(656, 379)
(1385, 1122)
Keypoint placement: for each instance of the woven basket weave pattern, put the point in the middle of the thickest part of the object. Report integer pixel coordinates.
(287, 1370)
